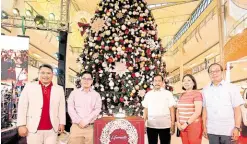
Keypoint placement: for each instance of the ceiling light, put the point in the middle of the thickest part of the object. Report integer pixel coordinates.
(28, 13)
(4, 15)
(51, 16)
(16, 11)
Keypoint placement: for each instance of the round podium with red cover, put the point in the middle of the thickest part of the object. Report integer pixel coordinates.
(111, 130)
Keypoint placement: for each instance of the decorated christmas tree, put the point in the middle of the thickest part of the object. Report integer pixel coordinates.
(123, 52)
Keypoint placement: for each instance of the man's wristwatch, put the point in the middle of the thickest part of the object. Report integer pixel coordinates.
(239, 129)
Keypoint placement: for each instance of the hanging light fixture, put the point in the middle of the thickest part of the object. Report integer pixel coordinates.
(16, 12)
(39, 19)
(29, 13)
(51, 16)
(4, 15)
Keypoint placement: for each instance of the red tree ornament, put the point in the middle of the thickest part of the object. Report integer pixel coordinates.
(121, 99)
(141, 19)
(110, 60)
(146, 68)
(133, 75)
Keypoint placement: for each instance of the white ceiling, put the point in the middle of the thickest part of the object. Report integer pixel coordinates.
(199, 42)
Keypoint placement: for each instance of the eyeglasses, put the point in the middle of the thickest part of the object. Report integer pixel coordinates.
(212, 72)
(87, 79)
(158, 81)
(45, 73)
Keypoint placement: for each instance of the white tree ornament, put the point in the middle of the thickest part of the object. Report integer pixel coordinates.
(152, 43)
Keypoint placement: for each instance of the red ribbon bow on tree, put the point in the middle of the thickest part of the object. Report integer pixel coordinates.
(83, 27)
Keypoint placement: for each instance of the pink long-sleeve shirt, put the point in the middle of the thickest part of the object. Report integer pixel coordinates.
(84, 106)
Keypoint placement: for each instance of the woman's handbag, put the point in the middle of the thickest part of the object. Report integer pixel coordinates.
(178, 133)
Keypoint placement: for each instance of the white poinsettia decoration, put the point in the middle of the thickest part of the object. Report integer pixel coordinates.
(120, 68)
(98, 25)
(141, 93)
(152, 43)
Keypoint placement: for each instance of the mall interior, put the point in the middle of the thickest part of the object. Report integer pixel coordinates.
(193, 35)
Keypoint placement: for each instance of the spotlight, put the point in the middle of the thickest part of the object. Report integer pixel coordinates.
(59, 56)
(57, 71)
(29, 13)
(4, 15)
(58, 38)
(51, 16)
(39, 20)
(16, 12)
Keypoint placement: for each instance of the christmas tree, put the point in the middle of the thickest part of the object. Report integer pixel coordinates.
(123, 52)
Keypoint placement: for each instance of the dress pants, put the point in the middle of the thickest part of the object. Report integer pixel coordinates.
(42, 137)
(192, 134)
(80, 135)
(242, 140)
(163, 134)
(220, 139)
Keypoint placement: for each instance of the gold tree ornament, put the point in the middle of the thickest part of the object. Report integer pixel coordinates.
(145, 86)
(131, 94)
(119, 15)
(98, 25)
(133, 20)
(130, 68)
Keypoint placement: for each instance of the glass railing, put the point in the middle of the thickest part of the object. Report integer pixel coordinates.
(237, 28)
(202, 6)
(196, 69)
